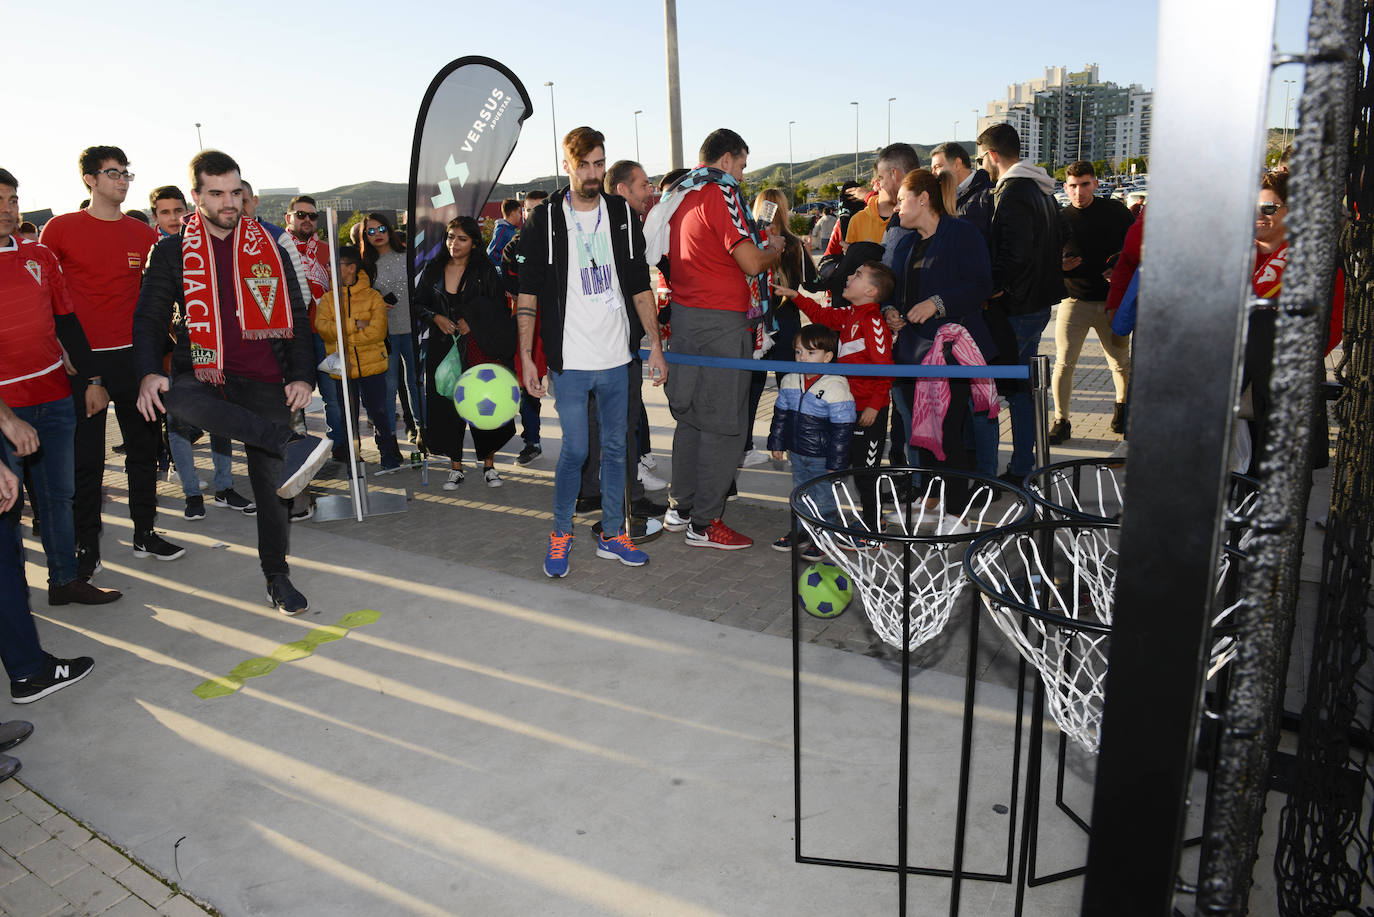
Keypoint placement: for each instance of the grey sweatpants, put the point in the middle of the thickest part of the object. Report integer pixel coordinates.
(711, 407)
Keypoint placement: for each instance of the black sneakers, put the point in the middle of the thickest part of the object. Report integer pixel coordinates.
(151, 544)
(195, 508)
(14, 732)
(81, 592)
(56, 675)
(230, 498)
(1060, 432)
(302, 457)
(528, 454)
(285, 597)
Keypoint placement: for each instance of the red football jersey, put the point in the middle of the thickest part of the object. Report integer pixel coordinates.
(103, 263)
(33, 291)
(702, 235)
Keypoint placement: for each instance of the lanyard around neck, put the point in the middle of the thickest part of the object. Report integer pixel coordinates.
(581, 233)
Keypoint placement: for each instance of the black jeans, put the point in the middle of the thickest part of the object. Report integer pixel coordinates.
(255, 414)
(866, 451)
(141, 442)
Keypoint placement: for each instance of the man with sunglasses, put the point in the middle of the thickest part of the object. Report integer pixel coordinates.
(102, 253)
(302, 222)
(1093, 230)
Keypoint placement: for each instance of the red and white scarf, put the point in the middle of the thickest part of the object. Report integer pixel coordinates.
(263, 306)
(316, 272)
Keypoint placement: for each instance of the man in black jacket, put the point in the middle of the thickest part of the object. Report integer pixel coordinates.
(582, 262)
(973, 201)
(1026, 271)
(241, 343)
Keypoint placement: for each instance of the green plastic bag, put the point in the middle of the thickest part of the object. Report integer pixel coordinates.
(446, 376)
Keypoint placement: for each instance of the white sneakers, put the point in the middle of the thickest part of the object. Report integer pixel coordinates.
(650, 480)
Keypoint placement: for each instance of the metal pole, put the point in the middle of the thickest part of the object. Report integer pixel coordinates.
(356, 485)
(1287, 91)
(890, 100)
(856, 140)
(956, 130)
(199, 143)
(1186, 381)
(674, 86)
(553, 121)
(638, 112)
(789, 156)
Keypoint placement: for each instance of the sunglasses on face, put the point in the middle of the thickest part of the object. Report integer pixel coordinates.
(307, 215)
(116, 174)
(1269, 208)
(376, 230)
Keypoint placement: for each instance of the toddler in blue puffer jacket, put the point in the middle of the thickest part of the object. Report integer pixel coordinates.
(813, 421)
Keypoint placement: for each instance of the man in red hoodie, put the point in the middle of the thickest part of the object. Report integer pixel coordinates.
(866, 339)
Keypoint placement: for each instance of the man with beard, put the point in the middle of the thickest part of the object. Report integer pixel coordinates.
(583, 263)
(241, 342)
(102, 253)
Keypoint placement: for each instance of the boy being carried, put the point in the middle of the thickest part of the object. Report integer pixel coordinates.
(813, 422)
(863, 338)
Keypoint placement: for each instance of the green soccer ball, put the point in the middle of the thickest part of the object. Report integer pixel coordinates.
(825, 590)
(487, 396)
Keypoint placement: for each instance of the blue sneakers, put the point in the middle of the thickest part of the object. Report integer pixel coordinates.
(621, 548)
(556, 561)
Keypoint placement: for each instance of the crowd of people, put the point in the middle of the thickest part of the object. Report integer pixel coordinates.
(206, 319)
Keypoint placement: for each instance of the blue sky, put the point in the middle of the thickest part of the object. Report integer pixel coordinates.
(338, 104)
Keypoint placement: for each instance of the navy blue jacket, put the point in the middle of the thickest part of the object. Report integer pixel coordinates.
(816, 422)
(975, 203)
(958, 270)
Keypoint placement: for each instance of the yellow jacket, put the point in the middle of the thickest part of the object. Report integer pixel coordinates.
(866, 225)
(365, 348)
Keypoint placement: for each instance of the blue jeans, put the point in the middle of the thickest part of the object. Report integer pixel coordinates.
(570, 390)
(982, 441)
(901, 407)
(185, 461)
(529, 418)
(401, 360)
(52, 469)
(20, 650)
(1028, 329)
(806, 467)
(333, 412)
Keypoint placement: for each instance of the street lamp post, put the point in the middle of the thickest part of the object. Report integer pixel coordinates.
(1287, 92)
(199, 143)
(553, 121)
(638, 112)
(890, 100)
(789, 154)
(956, 130)
(856, 140)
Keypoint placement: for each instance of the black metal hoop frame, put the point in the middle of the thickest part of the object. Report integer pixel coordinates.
(956, 872)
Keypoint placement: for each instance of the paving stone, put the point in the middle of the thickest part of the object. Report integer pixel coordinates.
(91, 890)
(52, 861)
(148, 887)
(33, 806)
(29, 896)
(130, 907)
(20, 833)
(10, 869)
(67, 831)
(12, 788)
(103, 857)
(181, 906)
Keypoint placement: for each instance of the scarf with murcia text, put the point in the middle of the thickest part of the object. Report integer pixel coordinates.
(263, 305)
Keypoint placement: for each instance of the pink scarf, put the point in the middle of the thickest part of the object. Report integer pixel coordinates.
(932, 393)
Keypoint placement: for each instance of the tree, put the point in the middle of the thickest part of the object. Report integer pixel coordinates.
(800, 193)
(830, 190)
(778, 179)
(1061, 173)
(357, 217)
(1101, 167)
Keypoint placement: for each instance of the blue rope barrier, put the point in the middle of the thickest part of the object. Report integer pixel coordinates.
(894, 370)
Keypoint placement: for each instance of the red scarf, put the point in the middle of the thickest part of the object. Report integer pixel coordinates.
(1268, 279)
(316, 272)
(263, 307)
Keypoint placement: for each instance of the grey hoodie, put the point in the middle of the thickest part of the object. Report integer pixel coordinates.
(1023, 169)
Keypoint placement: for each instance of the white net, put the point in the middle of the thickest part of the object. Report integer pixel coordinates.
(1072, 662)
(1087, 489)
(924, 592)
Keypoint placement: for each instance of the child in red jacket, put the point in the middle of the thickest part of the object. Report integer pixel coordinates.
(864, 338)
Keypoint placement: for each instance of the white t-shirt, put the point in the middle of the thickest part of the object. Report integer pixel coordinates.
(596, 326)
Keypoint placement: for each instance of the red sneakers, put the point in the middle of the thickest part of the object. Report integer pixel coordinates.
(718, 535)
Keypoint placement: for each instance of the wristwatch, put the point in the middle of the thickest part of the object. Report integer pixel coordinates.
(96, 380)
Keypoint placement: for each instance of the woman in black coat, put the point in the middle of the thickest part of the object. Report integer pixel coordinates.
(459, 298)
